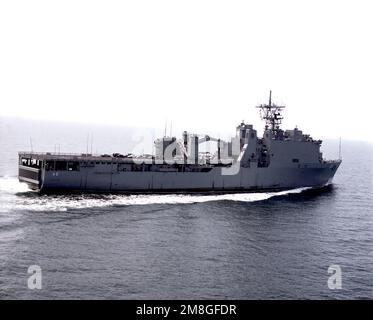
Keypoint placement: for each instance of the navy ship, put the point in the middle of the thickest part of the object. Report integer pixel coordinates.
(280, 159)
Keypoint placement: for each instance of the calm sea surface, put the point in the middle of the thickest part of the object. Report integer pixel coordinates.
(239, 246)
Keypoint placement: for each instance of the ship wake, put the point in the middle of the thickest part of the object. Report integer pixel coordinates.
(17, 197)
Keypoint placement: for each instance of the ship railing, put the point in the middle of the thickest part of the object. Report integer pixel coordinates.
(331, 161)
(57, 154)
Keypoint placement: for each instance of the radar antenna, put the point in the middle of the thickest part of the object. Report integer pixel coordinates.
(271, 113)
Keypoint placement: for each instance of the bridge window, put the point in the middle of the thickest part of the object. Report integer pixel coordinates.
(295, 160)
(61, 165)
(49, 165)
(73, 166)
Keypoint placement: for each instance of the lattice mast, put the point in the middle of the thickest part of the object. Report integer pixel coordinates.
(271, 114)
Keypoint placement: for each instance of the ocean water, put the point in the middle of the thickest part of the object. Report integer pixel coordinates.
(275, 245)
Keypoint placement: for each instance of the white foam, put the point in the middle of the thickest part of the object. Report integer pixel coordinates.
(63, 203)
(12, 185)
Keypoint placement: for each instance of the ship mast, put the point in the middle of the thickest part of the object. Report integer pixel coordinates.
(271, 113)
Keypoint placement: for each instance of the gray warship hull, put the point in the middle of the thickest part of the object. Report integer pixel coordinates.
(278, 160)
(106, 176)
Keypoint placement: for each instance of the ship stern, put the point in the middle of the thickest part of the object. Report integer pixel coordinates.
(29, 170)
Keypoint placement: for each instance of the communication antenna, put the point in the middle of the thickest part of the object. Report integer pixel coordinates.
(91, 143)
(270, 97)
(165, 129)
(31, 145)
(87, 144)
(171, 129)
(271, 113)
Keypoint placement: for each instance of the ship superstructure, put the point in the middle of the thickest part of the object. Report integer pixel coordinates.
(280, 159)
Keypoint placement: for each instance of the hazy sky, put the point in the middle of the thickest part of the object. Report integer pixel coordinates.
(203, 64)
